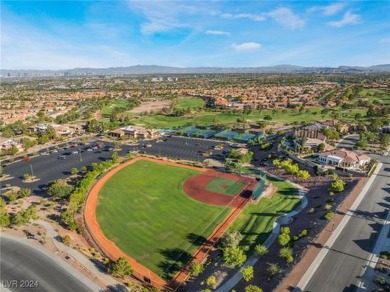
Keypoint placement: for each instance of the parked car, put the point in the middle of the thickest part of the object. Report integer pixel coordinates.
(61, 157)
(75, 152)
(44, 153)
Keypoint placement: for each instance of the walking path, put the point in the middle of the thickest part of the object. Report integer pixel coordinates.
(314, 256)
(89, 266)
(283, 220)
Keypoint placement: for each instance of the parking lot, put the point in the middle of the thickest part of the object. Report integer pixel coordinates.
(182, 148)
(56, 165)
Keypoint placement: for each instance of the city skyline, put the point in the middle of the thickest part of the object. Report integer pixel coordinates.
(98, 34)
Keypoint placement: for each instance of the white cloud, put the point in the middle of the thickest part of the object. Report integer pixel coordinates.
(162, 16)
(217, 32)
(246, 46)
(333, 8)
(329, 10)
(254, 17)
(287, 18)
(348, 18)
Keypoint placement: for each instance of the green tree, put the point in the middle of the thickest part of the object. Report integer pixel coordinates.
(231, 238)
(50, 132)
(196, 268)
(13, 196)
(261, 250)
(84, 168)
(24, 192)
(120, 268)
(43, 139)
(304, 174)
(5, 219)
(115, 156)
(385, 141)
(234, 256)
(247, 273)
(24, 216)
(74, 171)
(67, 240)
(59, 188)
(253, 288)
(321, 147)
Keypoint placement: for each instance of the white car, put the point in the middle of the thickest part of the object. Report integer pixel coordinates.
(75, 152)
(45, 153)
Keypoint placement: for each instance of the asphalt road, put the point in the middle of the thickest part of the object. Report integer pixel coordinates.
(23, 268)
(343, 263)
(48, 167)
(349, 141)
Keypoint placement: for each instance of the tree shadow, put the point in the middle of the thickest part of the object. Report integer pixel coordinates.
(196, 239)
(367, 244)
(175, 259)
(115, 288)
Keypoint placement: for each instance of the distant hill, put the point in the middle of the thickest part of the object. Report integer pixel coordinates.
(154, 69)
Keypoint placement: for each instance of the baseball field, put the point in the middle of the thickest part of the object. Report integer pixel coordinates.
(144, 210)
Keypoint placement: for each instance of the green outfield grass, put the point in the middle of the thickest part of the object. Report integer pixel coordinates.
(256, 221)
(144, 210)
(225, 186)
(184, 103)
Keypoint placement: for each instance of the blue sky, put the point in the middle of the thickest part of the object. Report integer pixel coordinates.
(69, 34)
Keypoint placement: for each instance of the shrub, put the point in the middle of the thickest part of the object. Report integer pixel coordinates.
(261, 250)
(24, 192)
(253, 288)
(211, 281)
(247, 273)
(273, 269)
(327, 207)
(329, 215)
(196, 269)
(283, 239)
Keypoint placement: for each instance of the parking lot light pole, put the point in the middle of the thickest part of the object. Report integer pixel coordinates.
(32, 173)
(81, 158)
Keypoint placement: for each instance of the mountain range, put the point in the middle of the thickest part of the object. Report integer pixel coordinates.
(154, 69)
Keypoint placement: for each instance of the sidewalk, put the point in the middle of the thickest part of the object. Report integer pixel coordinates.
(77, 256)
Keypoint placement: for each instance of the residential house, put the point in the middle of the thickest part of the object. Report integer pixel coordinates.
(343, 158)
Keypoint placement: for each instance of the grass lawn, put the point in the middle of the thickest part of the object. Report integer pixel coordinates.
(225, 186)
(184, 103)
(121, 103)
(256, 221)
(145, 211)
(210, 118)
